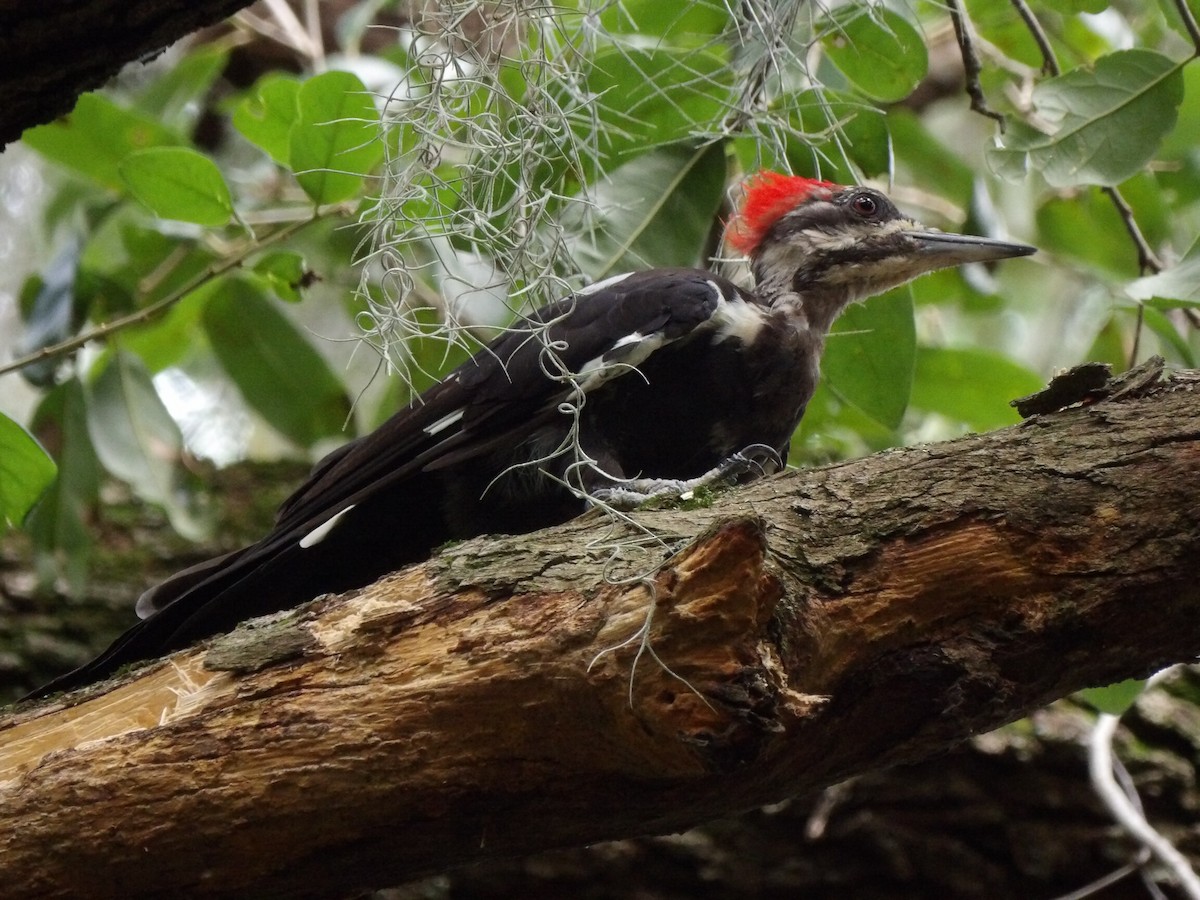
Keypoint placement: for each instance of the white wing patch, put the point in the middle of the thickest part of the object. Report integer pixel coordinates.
(444, 422)
(321, 532)
(627, 353)
(602, 284)
(735, 318)
(634, 338)
(732, 318)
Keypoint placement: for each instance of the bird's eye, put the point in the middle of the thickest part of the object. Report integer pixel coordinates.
(864, 205)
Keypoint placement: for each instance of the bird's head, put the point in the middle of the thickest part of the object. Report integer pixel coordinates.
(826, 245)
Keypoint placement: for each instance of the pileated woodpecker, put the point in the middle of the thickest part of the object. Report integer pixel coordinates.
(639, 381)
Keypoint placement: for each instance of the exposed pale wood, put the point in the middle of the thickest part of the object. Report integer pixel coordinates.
(815, 625)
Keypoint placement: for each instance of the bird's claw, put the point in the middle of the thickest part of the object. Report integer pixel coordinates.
(753, 461)
(756, 460)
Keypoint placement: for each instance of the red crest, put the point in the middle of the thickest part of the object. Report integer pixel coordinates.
(769, 195)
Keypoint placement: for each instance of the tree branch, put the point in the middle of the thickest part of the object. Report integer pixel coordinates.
(487, 703)
(54, 52)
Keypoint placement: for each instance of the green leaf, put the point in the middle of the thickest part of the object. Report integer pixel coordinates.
(995, 23)
(833, 429)
(285, 273)
(1114, 699)
(870, 354)
(1086, 226)
(1185, 137)
(1109, 346)
(335, 142)
(169, 339)
(58, 524)
(49, 311)
(177, 95)
(930, 162)
(96, 137)
(878, 50)
(266, 116)
(1168, 334)
(672, 21)
(971, 386)
(836, 136)
(654, 211)
(26, 470)
(128, 263)
(1095, 126)
(177, 183)
(137, 440)
(1178, 286)
(647, 98)
(1078, 6)
(276, 369)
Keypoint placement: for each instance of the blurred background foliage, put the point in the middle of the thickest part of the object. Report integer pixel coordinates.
(262, 243)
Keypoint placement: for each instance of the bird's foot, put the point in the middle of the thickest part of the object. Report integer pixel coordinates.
(754, 461)
(750, 462)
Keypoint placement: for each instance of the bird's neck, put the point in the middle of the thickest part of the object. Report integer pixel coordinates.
(816, 304)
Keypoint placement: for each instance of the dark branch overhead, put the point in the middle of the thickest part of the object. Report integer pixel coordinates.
(50, 53)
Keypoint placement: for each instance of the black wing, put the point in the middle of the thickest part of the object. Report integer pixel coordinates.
(490, 401)
(497, 393)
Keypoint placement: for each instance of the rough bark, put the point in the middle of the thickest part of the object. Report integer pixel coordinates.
(50, 53)
(812, 627)
(1010, 814)
(50, 625)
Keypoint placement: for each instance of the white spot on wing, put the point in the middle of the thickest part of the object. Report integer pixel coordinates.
(625, 341)
(627, 353)
(321, 532)
(737, 319)
(602, 284)
(444, 422)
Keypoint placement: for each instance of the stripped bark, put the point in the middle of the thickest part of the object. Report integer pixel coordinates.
(493, 701)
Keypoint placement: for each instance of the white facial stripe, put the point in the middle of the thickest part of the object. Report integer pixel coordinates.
(843, 239)
(825, 241)
(321, 532)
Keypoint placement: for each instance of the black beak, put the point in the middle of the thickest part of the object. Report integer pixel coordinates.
(941, 249)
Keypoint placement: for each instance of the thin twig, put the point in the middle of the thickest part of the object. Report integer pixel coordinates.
(159, 306)
(1189, 24)
(312, 22)
(1049, 62)
(1137, 333)
(971, 64)
(282, 27)
(1148, 261)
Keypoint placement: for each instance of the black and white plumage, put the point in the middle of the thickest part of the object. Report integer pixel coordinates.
(664, 374)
